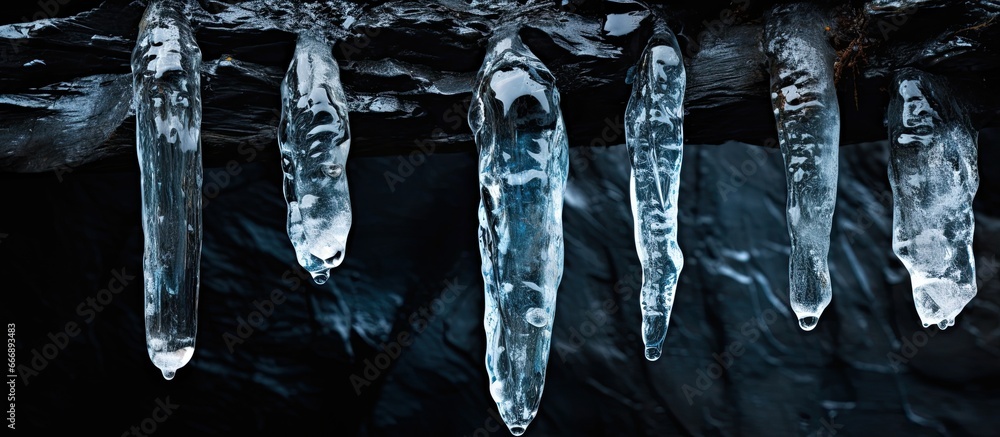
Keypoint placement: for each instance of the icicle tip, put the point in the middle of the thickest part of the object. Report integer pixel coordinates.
(808, 323)
(653, 353)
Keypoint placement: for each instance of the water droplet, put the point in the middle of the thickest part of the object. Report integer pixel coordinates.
(808, 323)
(321, 277)
(169, 374)
(517, 430)
(653, 353)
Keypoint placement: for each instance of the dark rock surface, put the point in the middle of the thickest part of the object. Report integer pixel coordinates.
(412, 269)
(408, 68)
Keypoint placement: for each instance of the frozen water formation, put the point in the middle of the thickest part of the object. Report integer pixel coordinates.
(523, 164)
(934, 177)
(808, 120)
(315, 138)
(166, 70)
(654, 134)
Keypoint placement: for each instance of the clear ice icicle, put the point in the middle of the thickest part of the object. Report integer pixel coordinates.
(314, 137)
(934, 177)
(808, 120)
(518, 127)
(166, 69)
(654, 133)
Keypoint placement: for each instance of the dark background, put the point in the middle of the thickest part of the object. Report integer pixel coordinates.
(292, 374)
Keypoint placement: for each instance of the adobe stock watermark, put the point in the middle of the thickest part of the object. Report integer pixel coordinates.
(88, 310)
(46, 9)
(62, 169)
(727, 17)
(598, 318)
(456, 116)
(828, 427)
(910, 346)
(865, 220)
(11, 376)
(896, 20)
(7, 51)
(161, 412)
(706, 376)
(492, 424)
(216, 180)
(738, 177)
(264, 309)
(612, 134)
(418, 320)
(358, 42)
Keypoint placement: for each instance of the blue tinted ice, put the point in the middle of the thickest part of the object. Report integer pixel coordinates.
(523, 165)
(166, 68)
(654, 134)
(315, 138)
(808, 119)
(934, 177)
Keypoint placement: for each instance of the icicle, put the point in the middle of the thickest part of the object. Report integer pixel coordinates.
(654, 133)
(315, 138)
(934, 177)
(166, 68)
(808, 119)
(523, 165)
